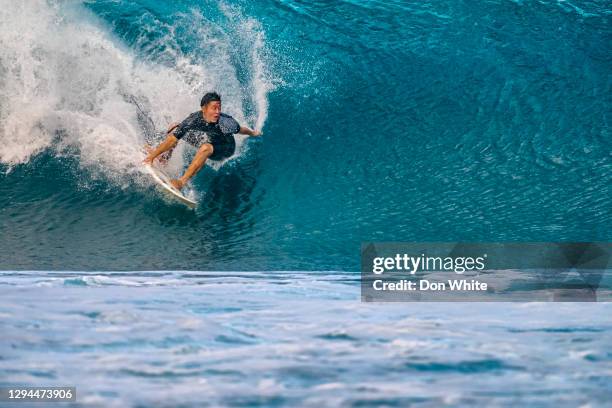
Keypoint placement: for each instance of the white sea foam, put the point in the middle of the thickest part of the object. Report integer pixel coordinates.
(209, 336)
(67, 84)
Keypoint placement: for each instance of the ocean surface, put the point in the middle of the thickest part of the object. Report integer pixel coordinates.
(383, 121)
(292, 339)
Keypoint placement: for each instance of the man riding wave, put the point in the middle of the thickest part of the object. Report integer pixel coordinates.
(209, 130)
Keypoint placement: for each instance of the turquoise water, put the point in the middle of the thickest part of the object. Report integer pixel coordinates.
(382, 120)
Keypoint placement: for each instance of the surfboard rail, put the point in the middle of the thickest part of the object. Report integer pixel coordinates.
(163, 181)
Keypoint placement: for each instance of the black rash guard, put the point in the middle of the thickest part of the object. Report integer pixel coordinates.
(220, 135)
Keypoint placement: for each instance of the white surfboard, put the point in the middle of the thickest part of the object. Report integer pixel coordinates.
(163, 180)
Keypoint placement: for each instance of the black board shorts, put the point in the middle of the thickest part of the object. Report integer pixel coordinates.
(224, 149)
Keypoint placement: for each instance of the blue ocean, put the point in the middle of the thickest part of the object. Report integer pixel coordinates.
(382, 120)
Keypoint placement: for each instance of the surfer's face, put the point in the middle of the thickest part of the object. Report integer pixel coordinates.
(211, 111)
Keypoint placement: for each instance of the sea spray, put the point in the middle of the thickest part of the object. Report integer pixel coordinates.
(69, 85)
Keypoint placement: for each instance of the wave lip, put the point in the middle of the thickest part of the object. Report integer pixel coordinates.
(70, 85)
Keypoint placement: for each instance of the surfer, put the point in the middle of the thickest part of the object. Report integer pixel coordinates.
(209, 130)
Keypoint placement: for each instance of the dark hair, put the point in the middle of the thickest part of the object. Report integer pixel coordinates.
(210, 97)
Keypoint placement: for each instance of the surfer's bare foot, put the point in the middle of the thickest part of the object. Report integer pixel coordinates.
(176, 183)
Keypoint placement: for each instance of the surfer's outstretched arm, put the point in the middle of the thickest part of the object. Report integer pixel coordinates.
(247, 131)
(166, 145)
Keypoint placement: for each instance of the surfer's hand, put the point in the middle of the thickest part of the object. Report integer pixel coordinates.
(256, 133)
(148, 160)
(177, 183)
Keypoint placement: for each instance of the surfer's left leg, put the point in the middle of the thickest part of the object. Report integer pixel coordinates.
(166, 145)
(204, 152)
(163, 158)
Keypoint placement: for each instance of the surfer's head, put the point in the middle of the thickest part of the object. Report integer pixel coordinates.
(211, 106)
